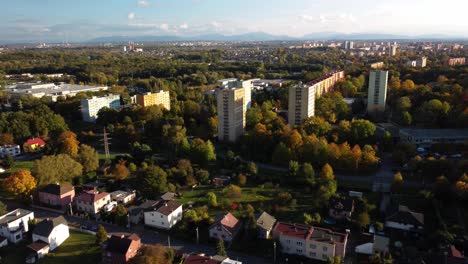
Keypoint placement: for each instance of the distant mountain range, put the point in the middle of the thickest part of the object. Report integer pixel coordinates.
(262, 36)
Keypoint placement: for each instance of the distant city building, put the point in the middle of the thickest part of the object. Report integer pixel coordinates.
(420, 62)
(301, 103)
(160, 98)
(377, 94)
(49, 90)
(393, 50)
(233, 99)
(348, 45)
(456, 61)
(427, 137)
(90, 107)
(377, 65)
(302, 97)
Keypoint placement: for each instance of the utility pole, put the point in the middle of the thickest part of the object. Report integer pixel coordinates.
(197, 234)
(169, 241)
(106, 145)
(274, 252)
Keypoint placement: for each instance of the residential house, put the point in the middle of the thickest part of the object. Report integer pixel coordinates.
(12, 150)
(91, 202)
(340, 208)
(36, 251)
(380, 244)
(221, 181)
(201, 259)
(226, 227)
(309, 241)
(265, 223)
(123, 197)
(164, 215)
(56, 195)
(3, 242)
(119, 249)
(14, 224)
(168, 196)
(33, 145)
(51, 231)
(405, 220)
(137, 212)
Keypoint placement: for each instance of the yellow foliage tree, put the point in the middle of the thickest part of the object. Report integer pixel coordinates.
(20, 183)
(68, 144)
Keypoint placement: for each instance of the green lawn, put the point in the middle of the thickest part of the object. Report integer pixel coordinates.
(27, 165)
(78, 248)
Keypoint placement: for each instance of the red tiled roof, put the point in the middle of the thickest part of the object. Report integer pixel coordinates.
(455, 252)
(37, 141)
(228, 222)
(166, 207)
(293, 230)
(91, 196)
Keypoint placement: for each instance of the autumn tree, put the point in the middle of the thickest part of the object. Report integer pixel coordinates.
(88, 158)
(120, 171)
(317, 125)
(6, 139)
(220, 248)
(20, 183)
(59, 168)
(101, 235)
(150, 254)
(212, 200)
(3, 208)
(68, 143)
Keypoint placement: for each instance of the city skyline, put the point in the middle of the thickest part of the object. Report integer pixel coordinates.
(73, 21)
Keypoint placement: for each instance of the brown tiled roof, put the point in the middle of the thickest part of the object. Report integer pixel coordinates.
(57, 189)
(120, 243)
(228, 222)
(91, 196)
(166, 207)
(36, 246)
(309, 232)
(45, 227)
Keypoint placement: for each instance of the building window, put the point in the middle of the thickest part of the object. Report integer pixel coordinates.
(299, 250)
(325, 248)
(288, 241)
(312, 254)
(299, 243)
(313, 246)
(324, 256)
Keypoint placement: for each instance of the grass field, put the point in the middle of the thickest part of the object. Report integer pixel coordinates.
(78, 248)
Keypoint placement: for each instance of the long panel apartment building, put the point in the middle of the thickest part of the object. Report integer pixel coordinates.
(233, 99)
(377, 93)
(309, 241)
(160, 98)
(302, 97)
(91, 106)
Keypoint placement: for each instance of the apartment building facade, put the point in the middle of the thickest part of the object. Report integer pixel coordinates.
(91, 106)
(377, 93)
(301, 103)
(160, 98)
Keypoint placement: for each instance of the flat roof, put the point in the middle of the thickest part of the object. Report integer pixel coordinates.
(55, 89)
(430, 133)
(13, 215)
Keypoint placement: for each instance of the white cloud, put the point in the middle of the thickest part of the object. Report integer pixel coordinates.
(144, 3)
(215, 24)
(184, 26)
(131, 16)
(164, 27)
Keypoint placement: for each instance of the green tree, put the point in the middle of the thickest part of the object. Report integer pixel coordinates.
(153, 181)
(88, 158)
(282, 154)
(202, 152)
(220, 249)
(59, 168)
(3, 208)
(8, 162)
(101, 235)
(363, 219)
(212, 200)
(120, 216)
(308, 174)
(317, 125)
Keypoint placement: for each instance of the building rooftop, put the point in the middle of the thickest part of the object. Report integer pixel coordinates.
(120, 243)
(52, 89)
(310, 233)
(165, 207)
(13, 215)
(405, 215)
(57, 189)
(436, 133)
(266, 221)
(91, 196)
(45, 227)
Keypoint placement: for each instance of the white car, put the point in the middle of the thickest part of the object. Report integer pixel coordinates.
(110, 206)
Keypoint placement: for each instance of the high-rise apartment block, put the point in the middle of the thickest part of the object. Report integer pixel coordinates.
(234, 97)
(377, 94)
(420, 62)
(90, 107)
(302, 96)
(301, 103)
(160, 98)
(348, 45)
(456, 61)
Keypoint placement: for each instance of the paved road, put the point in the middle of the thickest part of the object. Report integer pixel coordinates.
(147, 236)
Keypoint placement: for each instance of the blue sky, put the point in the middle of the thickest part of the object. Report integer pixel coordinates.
(77, 20)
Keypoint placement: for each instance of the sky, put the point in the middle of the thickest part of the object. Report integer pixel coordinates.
(81, 20)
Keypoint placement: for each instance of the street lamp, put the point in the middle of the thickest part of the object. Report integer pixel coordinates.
(197, 235)
(274, 252)
(128, 220)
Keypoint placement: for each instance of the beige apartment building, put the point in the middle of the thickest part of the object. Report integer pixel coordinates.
(160, 98)
(377, 93)
(232, 107)
(309, 241)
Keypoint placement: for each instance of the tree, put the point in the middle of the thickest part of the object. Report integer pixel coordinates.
(251, 168)
(88, 158)
(220, 249)
(202, 152)
(121, 215)
(101, 235)
(153, 180)
(362, 129)
(20, 184)
(212, 200)
(317, 125)
(120, 171)
(308, 174)
(68, 144)
(327, 173)
(363, 219)
(241, 179)
(9, 161)
(397, 180)
(59, 168)
(334, 260)
(282, 154)
(150, 254)
(3, 208)
(233, 191)
(312, 219)
(6, 139)
(202, 175)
